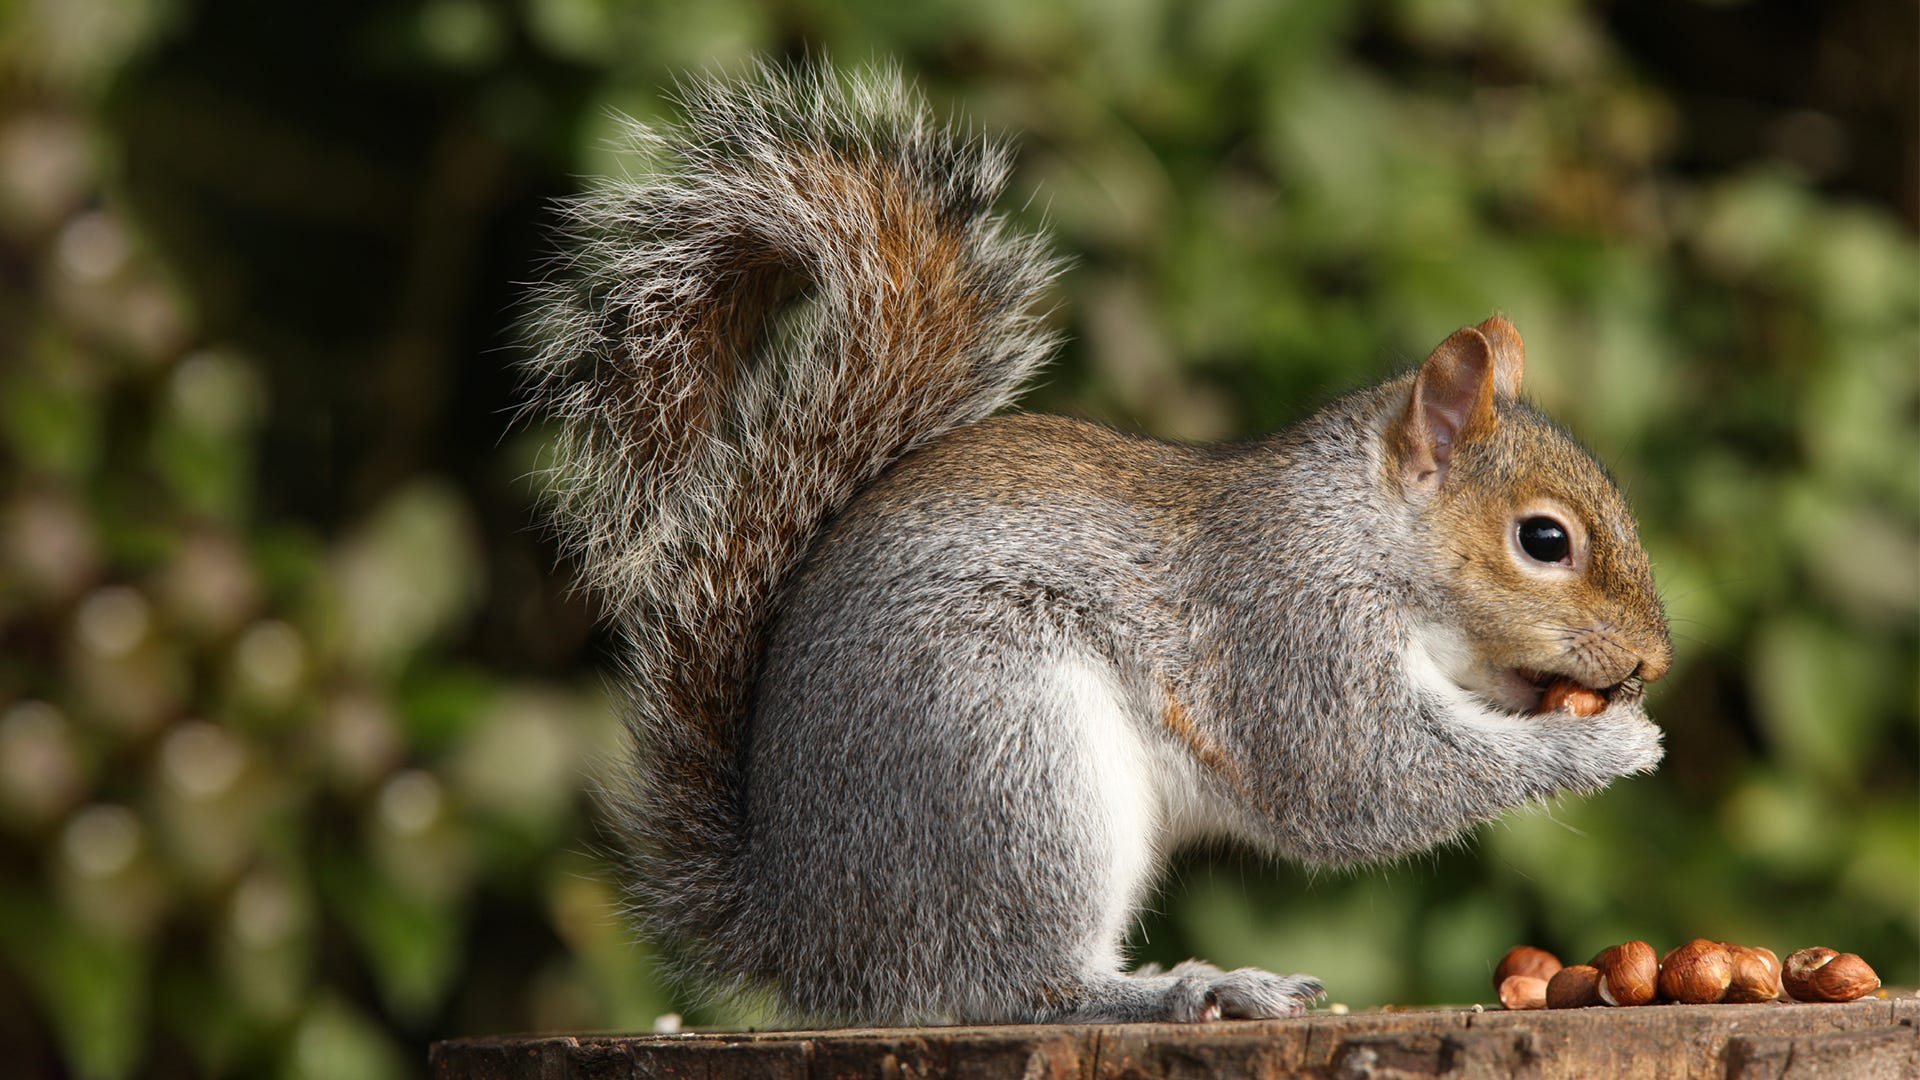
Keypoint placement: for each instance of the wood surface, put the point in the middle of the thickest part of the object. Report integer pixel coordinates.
(1869, 1039)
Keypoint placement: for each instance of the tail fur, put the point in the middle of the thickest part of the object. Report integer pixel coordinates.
(801, 283)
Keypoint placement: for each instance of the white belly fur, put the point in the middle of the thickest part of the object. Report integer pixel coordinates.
(1125, 812)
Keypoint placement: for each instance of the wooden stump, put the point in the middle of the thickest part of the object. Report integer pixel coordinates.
(1867, 1039)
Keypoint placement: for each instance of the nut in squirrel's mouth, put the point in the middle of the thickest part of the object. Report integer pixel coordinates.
(1559, 693)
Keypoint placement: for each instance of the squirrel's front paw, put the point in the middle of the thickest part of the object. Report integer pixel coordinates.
(1242, 994)
(1618, 742)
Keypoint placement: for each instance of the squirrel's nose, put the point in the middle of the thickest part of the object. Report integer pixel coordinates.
(1653, 667)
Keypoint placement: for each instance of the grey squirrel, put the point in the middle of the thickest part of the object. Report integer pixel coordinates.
(921, 697)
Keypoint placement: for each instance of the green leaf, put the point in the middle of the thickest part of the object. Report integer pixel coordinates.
(95, 986)
(410, 941)
(335, 1041)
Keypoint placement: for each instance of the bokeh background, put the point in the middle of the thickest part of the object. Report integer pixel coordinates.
(299, 719)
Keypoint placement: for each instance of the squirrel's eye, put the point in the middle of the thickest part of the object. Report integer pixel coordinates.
(1545, 539)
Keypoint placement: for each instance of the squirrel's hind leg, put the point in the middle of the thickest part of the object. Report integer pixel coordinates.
(1189, 993)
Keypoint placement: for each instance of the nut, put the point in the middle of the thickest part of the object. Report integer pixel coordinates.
(1756, 974)
(1525, 960)
(1697, 973)
(1571, 696)
(1575, 986)
(1629, 974)
(1799, 967)
(1820, 974)
(1523, 992)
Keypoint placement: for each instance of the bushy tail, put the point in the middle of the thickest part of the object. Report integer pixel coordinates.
(801, 283)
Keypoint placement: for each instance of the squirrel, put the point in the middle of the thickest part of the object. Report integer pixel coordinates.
(921, 694)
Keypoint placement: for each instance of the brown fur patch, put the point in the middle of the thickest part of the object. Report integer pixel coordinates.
(1207, 752)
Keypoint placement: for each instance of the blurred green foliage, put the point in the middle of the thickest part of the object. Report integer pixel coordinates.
(298, 720)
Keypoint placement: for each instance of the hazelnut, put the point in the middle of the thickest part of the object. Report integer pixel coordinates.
(1575, 986)
(1629, 974)
(1523, 992)
(1571, 696)
(1697, 973)
(1525, 960)
(1820, 974)
(1756, 974)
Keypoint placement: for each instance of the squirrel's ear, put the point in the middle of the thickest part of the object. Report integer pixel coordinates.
(1509, 355)
(1452, 400)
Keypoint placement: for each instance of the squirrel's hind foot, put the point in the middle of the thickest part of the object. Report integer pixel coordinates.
(1252, 994)
(1192, 992)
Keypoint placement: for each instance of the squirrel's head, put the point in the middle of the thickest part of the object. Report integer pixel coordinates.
(1537, 555)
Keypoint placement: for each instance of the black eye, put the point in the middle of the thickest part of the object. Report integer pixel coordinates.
(1545, 539)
